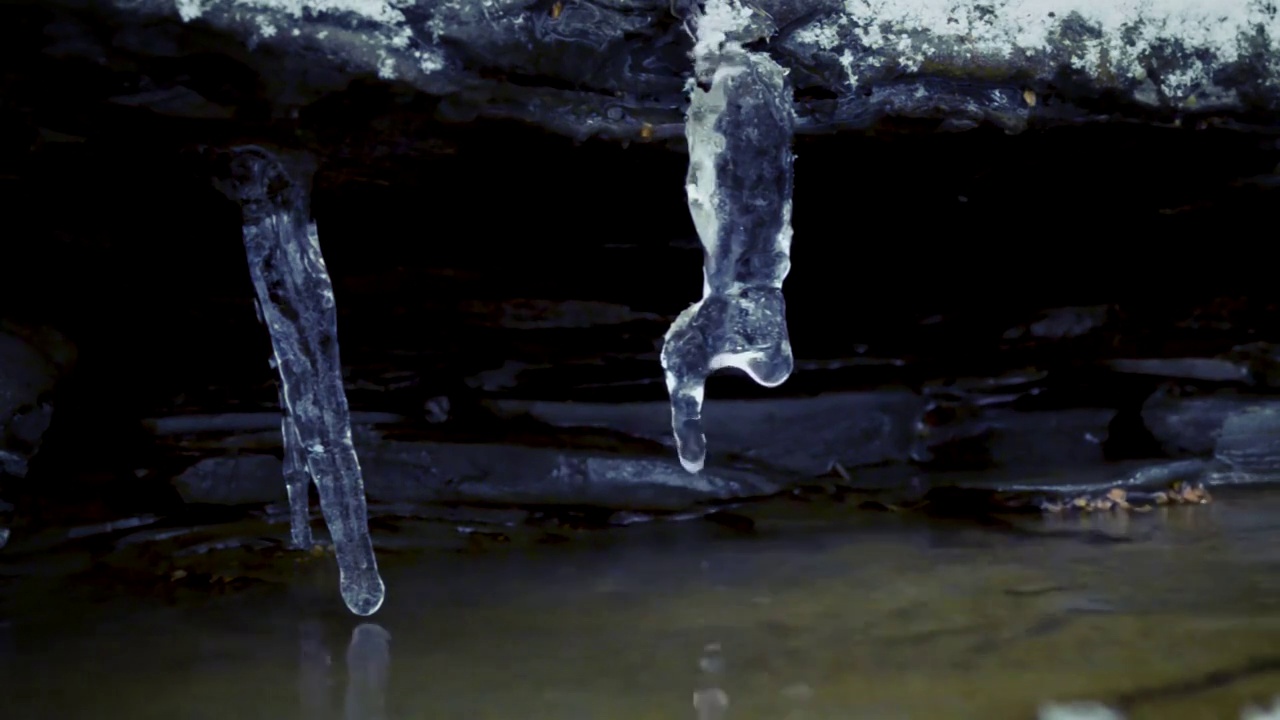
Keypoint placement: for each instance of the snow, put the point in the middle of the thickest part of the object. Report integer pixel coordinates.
(975, 33)
(393, 32)
(870, 36)
(721, 21)
(189, 10)
(1077, 711)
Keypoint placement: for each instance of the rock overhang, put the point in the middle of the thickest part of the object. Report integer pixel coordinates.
(617, 69)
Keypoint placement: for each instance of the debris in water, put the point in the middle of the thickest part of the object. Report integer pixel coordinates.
(1119, 499)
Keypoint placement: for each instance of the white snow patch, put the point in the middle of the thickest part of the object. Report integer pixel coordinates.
(825, 35)
(437, 27)
(395, 32)
(721, 20)
(400, 38)
(386, 66)
(993, 30)
(189, 10)
(380, 11)
(847, 62)
(429, 61)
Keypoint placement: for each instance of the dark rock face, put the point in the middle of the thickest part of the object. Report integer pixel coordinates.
(31, 364)
(485, 474)
(617, 68)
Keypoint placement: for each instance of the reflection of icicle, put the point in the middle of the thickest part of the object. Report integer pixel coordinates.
(1077, 711)
(739, 128)
(710, 702)
(314, 666)
(368, 667)
(296, 299)
(1261, 713)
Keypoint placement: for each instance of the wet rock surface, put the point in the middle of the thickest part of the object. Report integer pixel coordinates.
(891, 427)
(1248, 441)
(32, 361)
(422, 472)
(1195, 424)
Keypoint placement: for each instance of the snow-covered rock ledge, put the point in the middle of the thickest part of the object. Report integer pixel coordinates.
(616, 68)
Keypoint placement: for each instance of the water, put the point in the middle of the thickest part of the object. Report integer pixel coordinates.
(1170, 614)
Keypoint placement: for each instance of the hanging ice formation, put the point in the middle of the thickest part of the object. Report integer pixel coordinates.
(296, 300)
(739, 129)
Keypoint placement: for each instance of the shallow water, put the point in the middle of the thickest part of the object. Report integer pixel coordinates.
(1170, 614)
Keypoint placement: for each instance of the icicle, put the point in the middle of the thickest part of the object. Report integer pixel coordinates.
(296, 300)
(739, 128)
(296, 480)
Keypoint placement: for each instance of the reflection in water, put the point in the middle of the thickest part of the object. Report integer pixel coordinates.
(1262, 713)
(1078, 711)
(314, 664)
(880, 617)
(709, 701)
(368, 666)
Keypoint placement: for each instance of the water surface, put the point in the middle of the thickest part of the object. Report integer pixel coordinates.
(1170, 614)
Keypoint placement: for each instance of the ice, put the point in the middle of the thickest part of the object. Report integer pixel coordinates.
(739, 129)
(296, 479)
(296, 299)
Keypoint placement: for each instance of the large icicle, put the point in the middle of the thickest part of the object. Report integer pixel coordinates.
(739, 128)
(296, 300)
